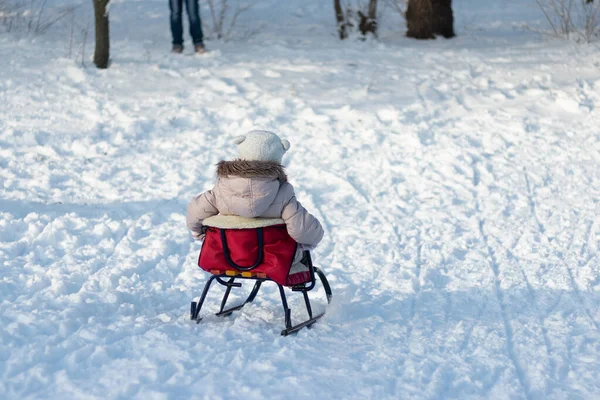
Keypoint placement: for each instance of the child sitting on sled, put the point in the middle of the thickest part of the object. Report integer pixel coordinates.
(255, 186)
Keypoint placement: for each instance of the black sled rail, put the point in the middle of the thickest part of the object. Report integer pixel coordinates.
(230, 283)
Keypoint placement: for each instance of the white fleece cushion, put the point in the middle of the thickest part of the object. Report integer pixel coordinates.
(235, 222)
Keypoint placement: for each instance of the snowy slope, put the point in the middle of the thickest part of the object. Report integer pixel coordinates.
(458, 182)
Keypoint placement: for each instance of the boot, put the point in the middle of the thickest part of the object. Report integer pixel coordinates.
(200, 49)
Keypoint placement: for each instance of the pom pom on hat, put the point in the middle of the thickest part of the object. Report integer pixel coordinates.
(261, 146)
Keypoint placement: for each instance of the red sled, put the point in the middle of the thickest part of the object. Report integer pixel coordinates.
(257, 249)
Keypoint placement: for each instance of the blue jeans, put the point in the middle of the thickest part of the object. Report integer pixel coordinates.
(191, 6)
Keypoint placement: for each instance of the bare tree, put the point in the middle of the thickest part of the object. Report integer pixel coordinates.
(341, 19)
(102, 51)
(572, 18)
(10, 14)
(368, 23)
(425, 19)
(219, 10)
(348, 17)
(33, 16)
(398, 5)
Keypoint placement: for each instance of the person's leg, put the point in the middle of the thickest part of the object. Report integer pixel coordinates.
(176, 22)
(195, 23)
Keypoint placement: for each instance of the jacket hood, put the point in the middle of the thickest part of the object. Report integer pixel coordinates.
(249, 187)
(251, 169)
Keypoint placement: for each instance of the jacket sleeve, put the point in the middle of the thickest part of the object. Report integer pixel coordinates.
(303, 227)
(200, 208)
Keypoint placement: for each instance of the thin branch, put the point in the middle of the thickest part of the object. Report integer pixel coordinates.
(238, 11)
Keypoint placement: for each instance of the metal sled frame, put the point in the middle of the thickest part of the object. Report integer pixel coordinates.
(229, 282)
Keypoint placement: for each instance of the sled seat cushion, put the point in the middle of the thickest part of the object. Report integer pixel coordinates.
(252, 248)
(235, 222)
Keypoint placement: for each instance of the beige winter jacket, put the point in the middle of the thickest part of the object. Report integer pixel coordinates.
(254, 189)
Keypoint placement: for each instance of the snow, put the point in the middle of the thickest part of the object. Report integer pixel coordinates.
(458, 182)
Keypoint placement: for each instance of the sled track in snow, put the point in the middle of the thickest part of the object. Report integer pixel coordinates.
(495, 268)
(559, 259)
(521, 375)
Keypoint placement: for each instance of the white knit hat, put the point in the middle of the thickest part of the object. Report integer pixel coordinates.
(261, 146)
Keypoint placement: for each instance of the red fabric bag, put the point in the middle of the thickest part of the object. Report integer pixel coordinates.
(243, 248)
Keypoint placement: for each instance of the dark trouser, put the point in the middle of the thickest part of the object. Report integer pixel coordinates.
(177, 23)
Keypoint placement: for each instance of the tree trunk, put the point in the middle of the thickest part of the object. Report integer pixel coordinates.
(102, 51)
(368, 23)
(341, 20)
(427, 18)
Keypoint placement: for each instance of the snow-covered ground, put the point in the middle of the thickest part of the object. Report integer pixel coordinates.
(458, 182)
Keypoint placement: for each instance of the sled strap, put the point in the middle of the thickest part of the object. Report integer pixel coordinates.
(259, 234)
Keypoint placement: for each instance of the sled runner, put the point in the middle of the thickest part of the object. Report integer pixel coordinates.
(258, 250)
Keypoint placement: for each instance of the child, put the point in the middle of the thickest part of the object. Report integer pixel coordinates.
(255, 185)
